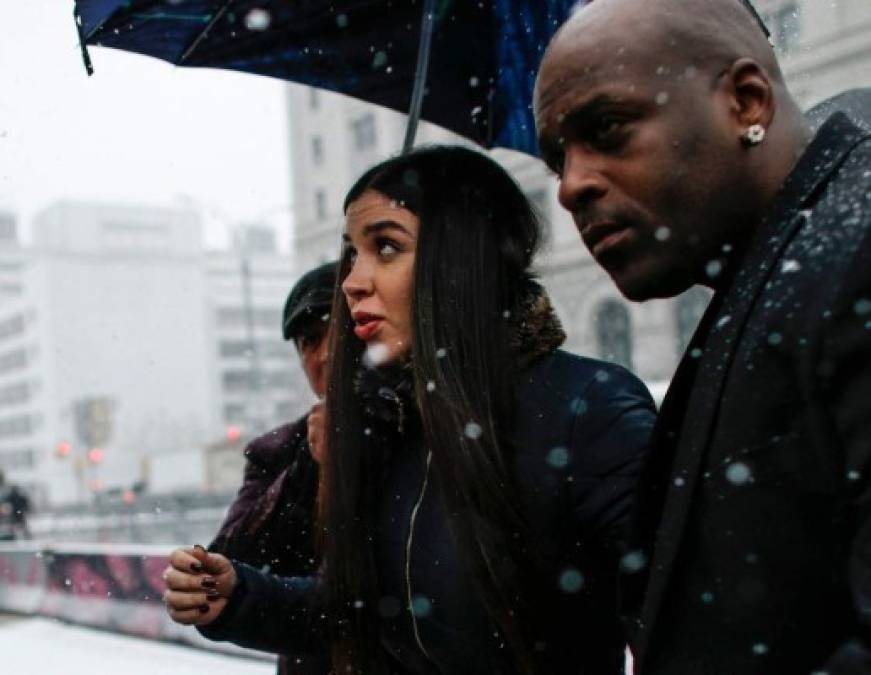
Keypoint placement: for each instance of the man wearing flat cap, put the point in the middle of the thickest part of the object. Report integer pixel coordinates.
(270, 522)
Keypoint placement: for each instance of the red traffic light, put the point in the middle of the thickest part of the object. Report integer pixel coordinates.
(96, 455)
(234, 433)
(63, 449)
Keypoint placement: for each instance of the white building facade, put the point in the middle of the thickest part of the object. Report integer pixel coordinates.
(126, 352)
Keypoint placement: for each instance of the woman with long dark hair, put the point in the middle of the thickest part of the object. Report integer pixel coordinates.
(476, 478)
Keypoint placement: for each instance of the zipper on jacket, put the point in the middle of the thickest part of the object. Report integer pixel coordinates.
(408, 546)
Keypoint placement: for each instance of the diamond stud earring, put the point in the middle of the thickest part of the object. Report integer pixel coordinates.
(754, 135)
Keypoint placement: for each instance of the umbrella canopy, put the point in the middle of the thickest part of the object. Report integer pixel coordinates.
(482, 55)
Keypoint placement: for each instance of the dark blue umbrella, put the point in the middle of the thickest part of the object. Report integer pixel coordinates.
(466, 65)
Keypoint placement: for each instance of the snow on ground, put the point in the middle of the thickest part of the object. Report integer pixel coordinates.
(39, 646)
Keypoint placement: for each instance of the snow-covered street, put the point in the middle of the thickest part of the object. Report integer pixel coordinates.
(35, 646)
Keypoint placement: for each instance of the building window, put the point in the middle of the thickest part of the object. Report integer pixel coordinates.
(314, 98)
(233, 317)
(231, 349)
(12, 326)
(18, 459)
(317, 150)
(234, 348)
(614, 332)
(13, 360)
(363, 132)
(16, 425)
(15, 394)
(236, 380)
(320, 205)
(284, 411)
(688, 312)
(234, 413)
(785, 26)
(278, 379)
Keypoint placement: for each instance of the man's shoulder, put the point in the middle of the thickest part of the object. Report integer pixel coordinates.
(562, 375)
(278, 447)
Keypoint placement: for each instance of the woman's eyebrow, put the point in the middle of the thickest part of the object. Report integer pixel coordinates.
(382, 225)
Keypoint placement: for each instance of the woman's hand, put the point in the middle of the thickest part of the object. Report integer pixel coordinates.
(316, 431)
(198, 584)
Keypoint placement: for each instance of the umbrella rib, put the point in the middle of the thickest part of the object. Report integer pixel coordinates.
(202, 35)
(420, 74)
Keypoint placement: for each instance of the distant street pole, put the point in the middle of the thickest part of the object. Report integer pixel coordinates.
(255, 374)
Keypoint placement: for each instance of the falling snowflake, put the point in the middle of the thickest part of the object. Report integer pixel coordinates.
(571, 580)
(662, 234)
(558, 457)
(375, 355)
(258, 19)
(738, 473)
(421, 606)
(634, 561)
(473, 430)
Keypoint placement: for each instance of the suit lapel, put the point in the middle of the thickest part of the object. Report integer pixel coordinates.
(685, 434)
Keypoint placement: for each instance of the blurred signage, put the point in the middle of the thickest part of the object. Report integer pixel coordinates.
(93, 421)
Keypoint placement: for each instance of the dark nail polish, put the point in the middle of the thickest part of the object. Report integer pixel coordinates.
(209, 582)
(213, 595)
(197, 567)
(204, 609)
(201, 548)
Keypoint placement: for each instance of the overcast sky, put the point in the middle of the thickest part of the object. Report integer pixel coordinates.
(138, 130)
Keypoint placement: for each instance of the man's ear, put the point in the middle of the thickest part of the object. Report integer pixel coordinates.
(751, 94)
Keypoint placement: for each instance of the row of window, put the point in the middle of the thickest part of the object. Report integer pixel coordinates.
(364, 136)
(15, 359)
(266, 348)
(229, 317)
(235, 413)
(16, 393)
(24, 458)
(613, 325)
(17, 425)
(239, 380)
(12, 326)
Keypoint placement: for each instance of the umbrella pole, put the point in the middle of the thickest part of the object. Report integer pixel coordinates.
(83, 44)
(420, 74)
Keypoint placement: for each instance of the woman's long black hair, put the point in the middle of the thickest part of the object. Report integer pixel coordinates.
(477, 238)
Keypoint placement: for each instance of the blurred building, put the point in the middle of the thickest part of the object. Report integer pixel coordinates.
(257, 381)
(825, 48)
(12, 259)
(127, 349)
(115, 340)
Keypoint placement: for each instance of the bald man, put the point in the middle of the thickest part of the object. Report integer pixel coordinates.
(684, 160)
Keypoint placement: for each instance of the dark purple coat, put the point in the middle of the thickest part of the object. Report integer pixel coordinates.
(269, 524)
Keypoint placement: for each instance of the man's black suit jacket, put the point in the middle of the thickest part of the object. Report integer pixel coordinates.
(753, 548)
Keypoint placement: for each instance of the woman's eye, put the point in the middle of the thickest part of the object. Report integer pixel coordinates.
(387, 249)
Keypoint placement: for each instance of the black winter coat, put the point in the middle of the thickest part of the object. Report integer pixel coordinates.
(755, 510)
(582, 430)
